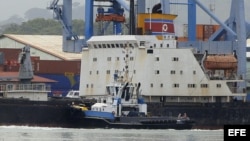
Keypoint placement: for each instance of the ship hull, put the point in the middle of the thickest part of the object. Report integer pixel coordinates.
(207, 115)
(101, 123)
(57, 113)
(82, 121)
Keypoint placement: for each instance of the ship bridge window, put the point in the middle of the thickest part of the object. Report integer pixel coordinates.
(95, 46)
(104, 45)
(100, 46)
(117, 45)
(172, 72)
(176, 85)
(142, 43)
(151, 85)
(218, 85)
(204, 85)
(175, 59)
(112, 45)
(157, 72)
(191, 85)
(160, 45)
(108, 45)
(121, 45)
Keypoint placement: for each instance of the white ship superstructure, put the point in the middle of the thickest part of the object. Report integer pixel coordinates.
(166, 73)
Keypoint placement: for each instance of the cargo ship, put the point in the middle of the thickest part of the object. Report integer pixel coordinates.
(202, 82)
(124, 107)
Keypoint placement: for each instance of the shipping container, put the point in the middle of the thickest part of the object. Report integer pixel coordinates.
(56, 67)
(66, 73)
(203, 32)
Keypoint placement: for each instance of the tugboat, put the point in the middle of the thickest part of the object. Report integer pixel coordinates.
(121, 108)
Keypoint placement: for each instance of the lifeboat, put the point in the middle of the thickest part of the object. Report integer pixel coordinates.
(220, 62)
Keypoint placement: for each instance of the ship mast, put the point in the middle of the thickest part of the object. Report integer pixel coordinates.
(127, 51)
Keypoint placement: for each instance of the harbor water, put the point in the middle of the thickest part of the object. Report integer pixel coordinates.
(25, 133)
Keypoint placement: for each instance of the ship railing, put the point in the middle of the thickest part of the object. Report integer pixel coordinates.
(25, 87)
(238, 90)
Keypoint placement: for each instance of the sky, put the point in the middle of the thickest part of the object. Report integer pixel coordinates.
(221, 8)
(9, 8)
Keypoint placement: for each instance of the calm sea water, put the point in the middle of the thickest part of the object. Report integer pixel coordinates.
(24, 133)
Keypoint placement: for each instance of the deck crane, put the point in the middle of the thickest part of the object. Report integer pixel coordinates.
(63, 13)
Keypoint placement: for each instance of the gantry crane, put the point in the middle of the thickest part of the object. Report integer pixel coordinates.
(233, 29)
(63, 13)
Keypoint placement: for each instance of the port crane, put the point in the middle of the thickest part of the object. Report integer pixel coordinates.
(231, 37)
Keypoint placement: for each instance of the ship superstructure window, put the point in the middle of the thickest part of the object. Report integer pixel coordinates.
(157, 59)
(154, 45)
(181, 72)
(97, 72)
(157, 72)
(204, 85)
(92, 85)
(104, 45)
(95, 46)
(94, 59)
(108, 71)
(112, 45)
(167, 45)
(121, 45)
(117, 58)
(191, 85)
(175, 59)
(87, 85)
(100, 46)
(150, 51)
(109, 59)
(176, 85)
(131, 58)
(90, 72)
(194, 72)
(108, 45)
(142, 43)
(117, 45)
(151, 85)
(172, 72)
(160, 45)
(134, 71)
(161, 85)
(218, 85)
